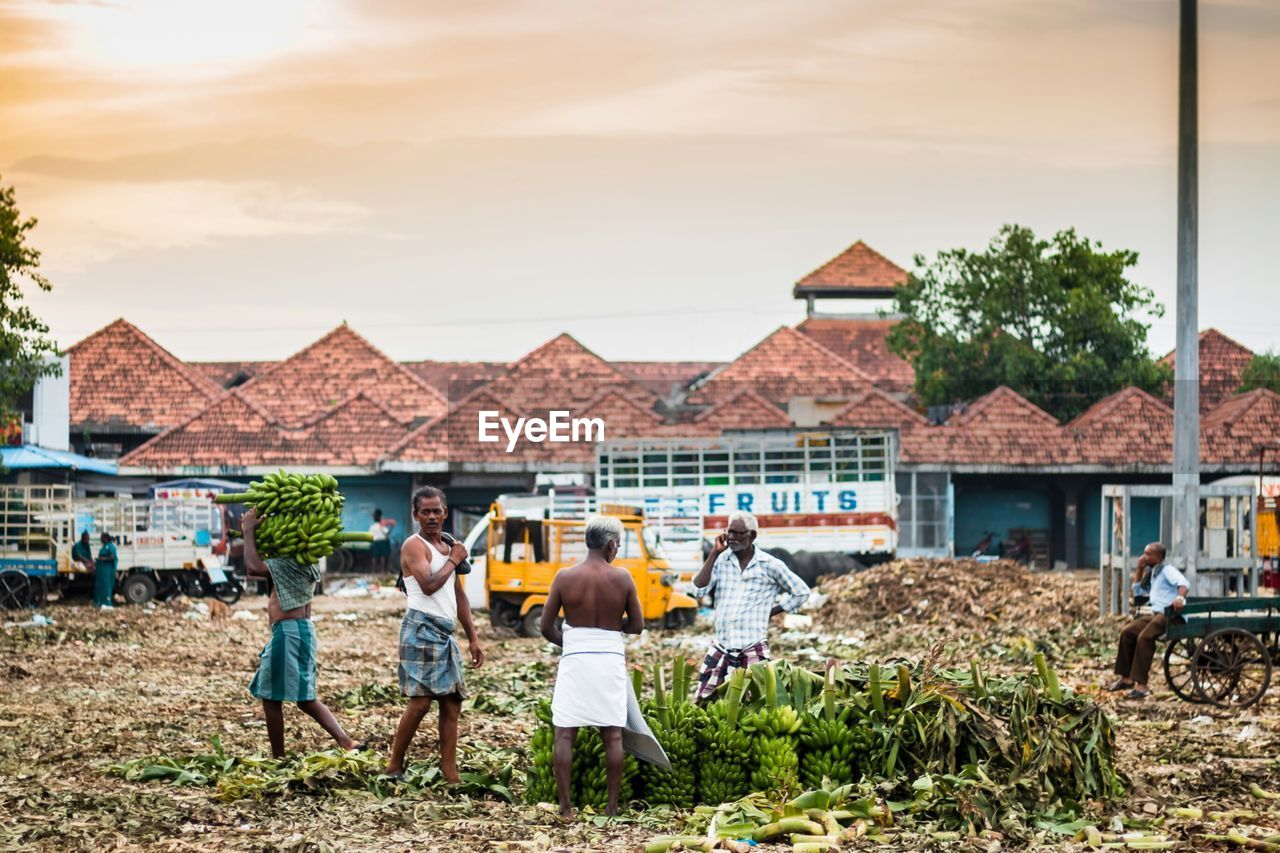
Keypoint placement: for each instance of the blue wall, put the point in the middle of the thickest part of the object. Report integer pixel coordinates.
(981, 509)
(388, 492)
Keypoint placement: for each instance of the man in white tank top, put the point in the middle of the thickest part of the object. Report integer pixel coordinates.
(430, 661)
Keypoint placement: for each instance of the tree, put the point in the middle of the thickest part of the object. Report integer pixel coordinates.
(24, 345)
(1056, 320)
(1263, 371)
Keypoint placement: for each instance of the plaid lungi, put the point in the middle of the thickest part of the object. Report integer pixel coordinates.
(287, 664)
(720, 661)
(430, 660)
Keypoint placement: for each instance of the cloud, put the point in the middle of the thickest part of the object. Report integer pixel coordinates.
(88, 223)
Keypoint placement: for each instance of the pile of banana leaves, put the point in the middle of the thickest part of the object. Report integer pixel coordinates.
(484, 772)
(964, 749)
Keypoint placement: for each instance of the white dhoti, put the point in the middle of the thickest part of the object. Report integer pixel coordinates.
(591, 682)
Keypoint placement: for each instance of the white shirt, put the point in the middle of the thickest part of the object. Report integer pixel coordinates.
(745, 597)
(444, 601)
(379, 532)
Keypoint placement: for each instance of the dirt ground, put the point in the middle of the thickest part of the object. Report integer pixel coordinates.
(96, 688)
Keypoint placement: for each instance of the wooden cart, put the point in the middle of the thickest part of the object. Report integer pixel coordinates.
(1223, 650)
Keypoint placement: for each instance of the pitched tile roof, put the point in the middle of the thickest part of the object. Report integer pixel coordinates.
(876, 408)
(665, 377)
(744, 410)
(784, 365)
(457, 379)
(123, 381)
(328, 371)
(223, 373)
(358, 431)
(233, 430)
(1234, 432)
(863, 343)
(1129, 427)
(1222, 361)
(562, 375)
(857, 268)
(1000, 428)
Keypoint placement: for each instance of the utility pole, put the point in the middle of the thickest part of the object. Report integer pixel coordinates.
(1186, 395)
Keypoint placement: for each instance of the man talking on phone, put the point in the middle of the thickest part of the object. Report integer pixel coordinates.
(750, 587)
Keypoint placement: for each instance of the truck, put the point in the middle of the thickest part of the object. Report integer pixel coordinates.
(164, 545)
(825, 500)
(521, 543)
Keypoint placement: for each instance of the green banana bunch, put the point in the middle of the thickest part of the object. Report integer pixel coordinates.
(675, 723)
(726, 747)
(775, 747)
(302, 515)
(830, 745)
(590, 786)
(540, 780)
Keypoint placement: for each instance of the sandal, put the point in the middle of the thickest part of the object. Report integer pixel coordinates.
(1118, 685)
(1137, 694)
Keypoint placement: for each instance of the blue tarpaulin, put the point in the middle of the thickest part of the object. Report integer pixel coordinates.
(31, 456)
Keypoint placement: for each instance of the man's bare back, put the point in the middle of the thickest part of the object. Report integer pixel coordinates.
(593, 594)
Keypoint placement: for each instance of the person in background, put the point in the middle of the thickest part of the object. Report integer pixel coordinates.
(600, 604)
(746, 583)
(287, 663)
(1168, 590)
(104, 573)
(381, 548)
(430, 661)
(82, 553)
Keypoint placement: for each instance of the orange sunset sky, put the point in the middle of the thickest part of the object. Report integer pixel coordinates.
(465, 180)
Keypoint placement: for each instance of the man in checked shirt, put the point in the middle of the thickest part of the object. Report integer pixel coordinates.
(746, 583)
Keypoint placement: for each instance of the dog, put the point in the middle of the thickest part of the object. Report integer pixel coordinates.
(219, 613)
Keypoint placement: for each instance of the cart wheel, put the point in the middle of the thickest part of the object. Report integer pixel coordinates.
(1178, 658)
(15, 591)
(1231, 668)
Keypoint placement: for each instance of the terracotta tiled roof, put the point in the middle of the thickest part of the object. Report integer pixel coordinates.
(1233, 432)
(744, 410)
(223, 373)
(1000, 428)
(1222, 361)
(233, 430)
(561, 374)
(457, 379)
(875, 408)
(862, 342)
(858, 267)
(665, 377)
(358, 431)
(1129, 427)
(784, 365)
(122, 381)
(315, 379)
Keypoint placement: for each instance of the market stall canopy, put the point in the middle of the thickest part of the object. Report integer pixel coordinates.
(31, 456)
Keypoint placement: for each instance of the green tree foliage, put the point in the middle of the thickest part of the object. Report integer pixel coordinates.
(24, 345)
(1056, 320)
(1262, 372)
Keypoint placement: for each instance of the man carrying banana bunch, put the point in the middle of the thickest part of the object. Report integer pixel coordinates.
(287, 665)
(746, 583)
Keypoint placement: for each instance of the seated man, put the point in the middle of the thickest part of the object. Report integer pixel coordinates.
(1167, 588)
(600, 604)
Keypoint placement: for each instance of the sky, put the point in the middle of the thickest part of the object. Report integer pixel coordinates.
(466, 180)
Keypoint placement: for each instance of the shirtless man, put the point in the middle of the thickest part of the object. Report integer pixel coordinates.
(600, 604)
(287, 664)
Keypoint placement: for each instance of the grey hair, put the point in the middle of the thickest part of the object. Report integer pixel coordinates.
(746, 518)
(601, 530)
